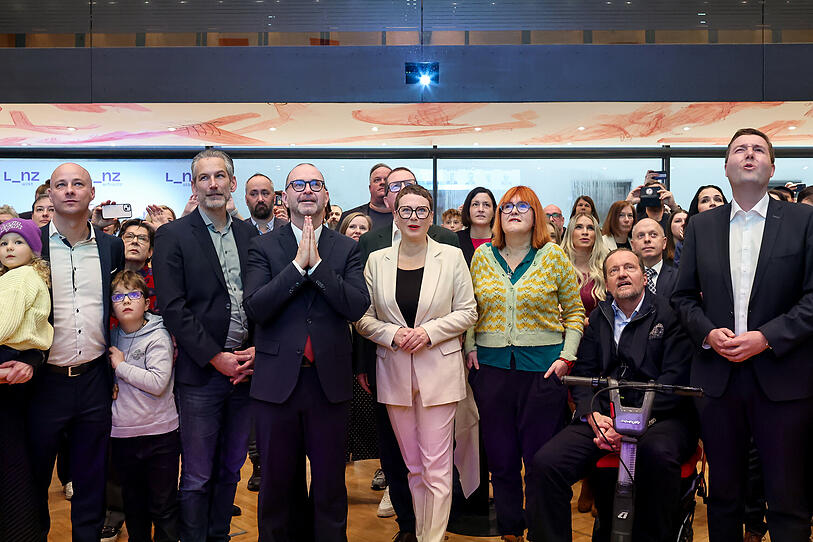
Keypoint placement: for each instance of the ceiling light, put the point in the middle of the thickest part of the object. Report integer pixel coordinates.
(476, 144)
(581, 128)
(569, 143)
(701, 13)
(171, 129)
(292, 145)
(791, 127)
(702, 22)
(374, 128)
(686, 128)
(272, 129)
(424, 79)
(71, 129)
(477, 129)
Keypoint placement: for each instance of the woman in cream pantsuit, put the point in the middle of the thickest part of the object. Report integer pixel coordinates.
(422, 302)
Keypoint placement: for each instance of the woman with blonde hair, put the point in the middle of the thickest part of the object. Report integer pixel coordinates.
(520, 347)
(586, 252)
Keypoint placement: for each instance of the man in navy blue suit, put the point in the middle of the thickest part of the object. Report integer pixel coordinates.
(745, 295)
(199, 266)
(303, 287)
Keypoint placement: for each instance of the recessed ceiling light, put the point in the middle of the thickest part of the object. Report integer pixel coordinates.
(476, 144)
(686, 128)
(580, 128)
(791, 127)
(477, 128)
(569, 143)
(293, 145)
(272, 129)
(71, 129)
(374, 128)
(171, 129)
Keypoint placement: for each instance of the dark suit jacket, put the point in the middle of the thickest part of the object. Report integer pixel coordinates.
(781, 303)
(464, 240)
(653, 345)
(364, 357)
(288, 307)
(192, 292)
(667, 279)
(275, 222)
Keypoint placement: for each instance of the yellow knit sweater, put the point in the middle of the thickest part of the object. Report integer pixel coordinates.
(24, 308)
(527, 313)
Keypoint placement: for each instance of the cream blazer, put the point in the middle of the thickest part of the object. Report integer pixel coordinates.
(446, 308)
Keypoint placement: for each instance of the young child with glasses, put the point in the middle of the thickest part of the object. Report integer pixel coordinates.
(24, 300)
(145, 441)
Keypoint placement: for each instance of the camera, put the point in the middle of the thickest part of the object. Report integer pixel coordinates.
(650, 196)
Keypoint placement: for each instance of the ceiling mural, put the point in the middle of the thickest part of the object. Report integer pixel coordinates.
(594, 124)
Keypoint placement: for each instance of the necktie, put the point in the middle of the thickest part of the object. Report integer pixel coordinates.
(308, 354)
(650, 279)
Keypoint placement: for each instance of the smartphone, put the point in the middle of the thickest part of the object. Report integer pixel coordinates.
(798, 188)
(659, 176)
(278, 200)
(121, 210)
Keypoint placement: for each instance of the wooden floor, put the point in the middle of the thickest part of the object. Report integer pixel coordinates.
(363, 524)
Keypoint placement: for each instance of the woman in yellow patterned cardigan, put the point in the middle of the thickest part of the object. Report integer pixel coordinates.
(520, 347)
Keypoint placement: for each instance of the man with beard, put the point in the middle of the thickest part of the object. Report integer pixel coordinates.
(376, 208)
(633, 335)
(199, 265)
(260, 202)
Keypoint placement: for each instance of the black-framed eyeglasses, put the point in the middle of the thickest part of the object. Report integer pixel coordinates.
(407, 212)
(396, 186)
(134, 295)
(554, 215)
(142, 239)
(299, 185)
(521, 207)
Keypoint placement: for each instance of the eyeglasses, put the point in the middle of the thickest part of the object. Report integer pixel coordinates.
(142, 239)
(299, 185)
(396, 186)
(407, 212)
(554, 215)
(134, 295)
(521, 207)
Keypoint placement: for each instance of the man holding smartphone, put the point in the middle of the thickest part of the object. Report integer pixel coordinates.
(655, 205)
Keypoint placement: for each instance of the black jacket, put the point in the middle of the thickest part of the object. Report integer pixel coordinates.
(653, 346)
(781, 304)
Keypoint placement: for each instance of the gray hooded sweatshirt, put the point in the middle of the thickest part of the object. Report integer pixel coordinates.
(145, 403)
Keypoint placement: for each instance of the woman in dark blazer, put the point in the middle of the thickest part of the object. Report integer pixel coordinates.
(478, 219)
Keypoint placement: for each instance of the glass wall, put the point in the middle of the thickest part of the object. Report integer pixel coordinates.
(556, 181)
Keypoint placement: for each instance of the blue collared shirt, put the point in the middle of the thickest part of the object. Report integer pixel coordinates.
(621, 319)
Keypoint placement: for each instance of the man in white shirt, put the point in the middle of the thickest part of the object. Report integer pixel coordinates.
(73, 390)
(745, 295)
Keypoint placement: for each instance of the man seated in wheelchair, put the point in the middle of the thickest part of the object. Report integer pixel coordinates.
(635, 336)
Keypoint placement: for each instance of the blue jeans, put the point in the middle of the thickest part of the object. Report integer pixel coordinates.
(214, 426)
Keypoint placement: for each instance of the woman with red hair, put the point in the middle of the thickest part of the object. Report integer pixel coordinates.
(520, 346)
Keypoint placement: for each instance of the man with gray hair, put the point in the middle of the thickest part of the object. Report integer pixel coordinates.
(199, 266)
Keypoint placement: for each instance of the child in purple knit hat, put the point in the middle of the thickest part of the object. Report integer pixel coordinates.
(24, 299)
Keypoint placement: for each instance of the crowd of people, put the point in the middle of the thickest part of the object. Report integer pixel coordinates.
(152, 356)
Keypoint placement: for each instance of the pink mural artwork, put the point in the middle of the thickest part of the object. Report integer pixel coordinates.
(11, 141)
(208, 132)
(20, 121)
(523, 120)
(650, 120)
(99, 108)
(285, 114)
(422, 114)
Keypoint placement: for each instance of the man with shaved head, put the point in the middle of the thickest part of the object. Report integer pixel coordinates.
(304, 283)
(72, 392)
(649, 242)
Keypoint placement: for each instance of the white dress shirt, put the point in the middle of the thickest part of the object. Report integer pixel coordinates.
(76, 282)
(621, 320)
(745, 241)
(317, 232)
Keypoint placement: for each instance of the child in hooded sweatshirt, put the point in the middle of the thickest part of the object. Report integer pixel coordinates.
(145, 442)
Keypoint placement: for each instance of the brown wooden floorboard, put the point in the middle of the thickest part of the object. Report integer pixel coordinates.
(363, 524)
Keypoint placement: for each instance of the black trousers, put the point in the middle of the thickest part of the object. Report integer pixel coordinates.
(392, 463)
(80, 406)
(781, 432)
(306, 423)
(148, 467)
(571, 455)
